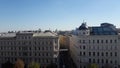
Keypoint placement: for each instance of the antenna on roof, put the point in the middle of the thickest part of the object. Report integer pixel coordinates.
(83, 21)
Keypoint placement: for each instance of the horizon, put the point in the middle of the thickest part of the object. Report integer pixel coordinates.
(62, 15)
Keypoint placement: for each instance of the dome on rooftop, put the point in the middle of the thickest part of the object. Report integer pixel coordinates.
(83, 27)
(106, 24)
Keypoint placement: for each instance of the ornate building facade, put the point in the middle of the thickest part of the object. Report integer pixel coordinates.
(98, 46)
(41, 47)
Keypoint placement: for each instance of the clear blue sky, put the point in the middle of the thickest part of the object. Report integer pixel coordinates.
(56, 14)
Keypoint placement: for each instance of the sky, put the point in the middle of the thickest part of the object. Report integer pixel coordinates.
(56, 14)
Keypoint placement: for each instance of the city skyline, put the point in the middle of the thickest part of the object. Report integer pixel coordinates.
(56, 14)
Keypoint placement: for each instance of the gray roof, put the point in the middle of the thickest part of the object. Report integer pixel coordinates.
(44, 34)
(7, 35)
(34, 34)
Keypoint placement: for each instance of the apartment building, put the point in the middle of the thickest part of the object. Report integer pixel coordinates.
(41, 47)
(96, 45)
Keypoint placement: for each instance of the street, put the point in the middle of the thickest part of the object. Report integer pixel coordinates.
(65, 60)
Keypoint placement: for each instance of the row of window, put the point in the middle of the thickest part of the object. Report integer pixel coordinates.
(103, 66)
(24, 37)
(26, 43)
(40, 60)
(27, 38)
(98, 41)
(108, 47)
(31, 37)
(45, 54)
(41, 48)
(98, 53)
(106, 61)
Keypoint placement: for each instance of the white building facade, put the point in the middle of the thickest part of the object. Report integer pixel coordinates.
(98, 46)
(41, 47)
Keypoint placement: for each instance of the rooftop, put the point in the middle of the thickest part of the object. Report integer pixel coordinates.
(7, 35)
(103, 29)
(44, 34)
(83, 26)
(47, 33)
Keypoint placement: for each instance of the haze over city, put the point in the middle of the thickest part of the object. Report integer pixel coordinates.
(56, 14)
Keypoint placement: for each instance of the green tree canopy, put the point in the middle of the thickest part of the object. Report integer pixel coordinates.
(93, 65)
(34, 65)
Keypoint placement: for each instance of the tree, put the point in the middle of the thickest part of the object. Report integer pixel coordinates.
(63, 41)
(19, 64)
(93, 65)
(34, 65)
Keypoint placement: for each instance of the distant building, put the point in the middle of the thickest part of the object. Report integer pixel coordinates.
(99, 46)
(41, 47)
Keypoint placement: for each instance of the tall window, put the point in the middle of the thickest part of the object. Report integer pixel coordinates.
(97, 53)
(35, 48)
(80, 41)
(106, 60)
(111, 61)
(110, 53)
(106, 41)
(93, 60)
(39, 54)
(102, 61)
(115, 40)
(83, 47)
(89, 53)
(35, 42)
(115, 61)
(29, 48)
(110, 41)
(42, 48)
(102, 54)
(39, 48)
(50, 42)
(106, 53)
(89, 41)
(46, 54)
(47, 48)
(89, 60)
(42, 54)
(115, 53)
(84, 53)
(98, 60)
(80, 46)
(83, 41)
(47, 60)
(80, 53)
(97, 41)
(93, 53)
(29, 42)
(42, 43)
(93, 41)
